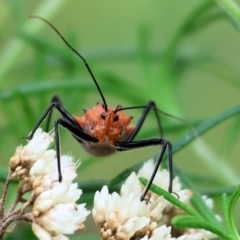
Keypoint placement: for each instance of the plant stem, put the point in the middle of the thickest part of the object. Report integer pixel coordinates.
(8, 221)
(3, 199)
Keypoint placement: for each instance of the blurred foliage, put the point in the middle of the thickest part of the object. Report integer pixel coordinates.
(184, 55)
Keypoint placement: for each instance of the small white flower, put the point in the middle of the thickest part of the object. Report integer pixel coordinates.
(161, 178)
(101, 201)
(118, 216)
(201, 234)
(153, 208)
(44, 173)
(160, 233)
(24, 157)
(193, 236)
(56, 213)
(131, 185)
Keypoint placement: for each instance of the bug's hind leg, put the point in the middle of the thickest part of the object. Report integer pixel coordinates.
(55, 99)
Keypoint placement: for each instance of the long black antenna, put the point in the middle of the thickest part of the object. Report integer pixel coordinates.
(166, 114)
(75, 51)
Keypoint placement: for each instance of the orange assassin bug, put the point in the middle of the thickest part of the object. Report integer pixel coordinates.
(103, 130)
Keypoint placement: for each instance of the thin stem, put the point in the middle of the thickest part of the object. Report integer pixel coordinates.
(3, 199)
(16, 212)
(8, 221)
(17, 215)
(14, 204)
(28, 203)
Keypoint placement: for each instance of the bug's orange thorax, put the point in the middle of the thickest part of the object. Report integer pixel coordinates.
(106, 125)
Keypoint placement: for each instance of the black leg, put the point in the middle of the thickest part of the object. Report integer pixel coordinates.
(78, 133)
(48, 112)
(148, 107)
(123, 146)
(57, 100)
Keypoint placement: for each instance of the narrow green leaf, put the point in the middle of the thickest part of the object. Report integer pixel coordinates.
(232, 136)
(197, 201)
(45, 86)
(225, 211)
(206, 20)
(231, 204)
(205, 126)
(232, 9)
(161, 192)
(217, 192)
(193, 222)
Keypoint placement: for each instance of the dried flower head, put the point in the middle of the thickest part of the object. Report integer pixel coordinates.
(54, 209)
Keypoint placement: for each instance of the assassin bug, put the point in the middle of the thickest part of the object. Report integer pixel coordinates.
(104, 130)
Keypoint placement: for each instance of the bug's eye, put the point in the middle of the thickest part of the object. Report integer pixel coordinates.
(103, 116)
(116, 118)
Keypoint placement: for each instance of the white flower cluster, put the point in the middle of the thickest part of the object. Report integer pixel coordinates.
(54, 211)
(123, 216)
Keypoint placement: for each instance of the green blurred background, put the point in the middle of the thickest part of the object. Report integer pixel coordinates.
(184, 55)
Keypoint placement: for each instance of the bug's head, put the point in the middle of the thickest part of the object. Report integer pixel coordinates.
(98, 122)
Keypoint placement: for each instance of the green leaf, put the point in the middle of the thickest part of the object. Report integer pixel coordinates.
(217, 192)
(232, 9)
(225, 211)
(168, 196)
(193, 222)
(197, 201)
(45, 86)
(228, 210)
